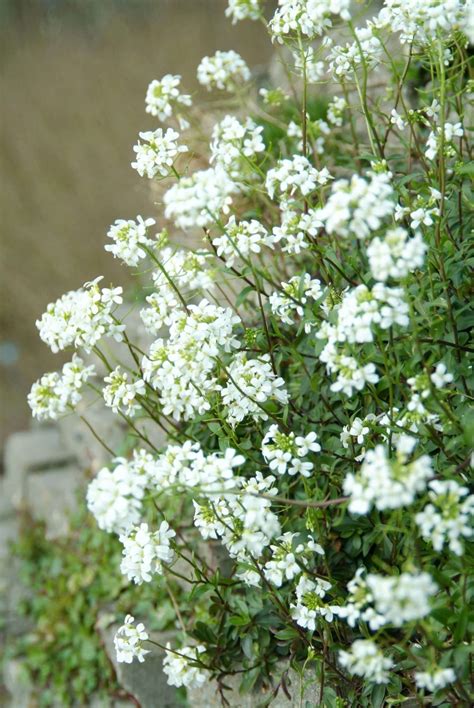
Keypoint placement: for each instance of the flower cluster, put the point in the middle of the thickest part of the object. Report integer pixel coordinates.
(443, 137)
(295, 177)
(224, 71)
(181, 669)
(435, 679)
(129, 641)
(241, 518)
(395, 255)
(388, 483)
(293, 297)
(54, 393)
(447, 517)
(289, 560)
(130, 239)
(241, 239)
(358, 206)
(115, 496)
(199, 200)
(423, 21)
(144, 552)
(252, 382)
(156, 154)
(394, 600)
(311, 605)
(309, 18)
(367, 50)
(243, 10)
(366, 659)
(163, 98)
(284, 452)
(81, 318)
(121, 393)
(179, 272)
(296, 229)
(182, 368)
(234, 142)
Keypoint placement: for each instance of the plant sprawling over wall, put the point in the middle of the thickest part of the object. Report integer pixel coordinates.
(307, 360)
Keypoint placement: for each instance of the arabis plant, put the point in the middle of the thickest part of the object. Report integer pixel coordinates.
(307, 362)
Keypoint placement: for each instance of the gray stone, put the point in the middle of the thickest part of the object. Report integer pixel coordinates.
(303, 693)
(31, 451)
(18, 685)
(51, 496)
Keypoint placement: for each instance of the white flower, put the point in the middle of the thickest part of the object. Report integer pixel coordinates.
(130, 239)
(283, 565)
(402, 598)
(243, 10)
(293, 296)
(336, 110)
(310, 604)
(358, 207)
(163, 98)
(433, 143)
(157, 153)
(81, 318)
(307, 444)
(282, 451)
(295, 228)
(379, 600)
(396, 119)
(182, 368)
(179, 669)
(423, 216)
(115, 497)
(234, 143)
(241, 239)
(396, 255)
(295, 177)
(366, 660)
(358, 429)
(310, 18)
(54, 393)
(344, 60)
(441, 376)
(435, 679)
(447, 518)
(423, 21)
(224, 70)
(251, 384)
(198, 200)
(120, 394)
(351, 375)
(361, 312)
(129, 640)
(144, 552)
(387, 483)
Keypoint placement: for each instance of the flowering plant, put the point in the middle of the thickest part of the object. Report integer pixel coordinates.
(307, 362)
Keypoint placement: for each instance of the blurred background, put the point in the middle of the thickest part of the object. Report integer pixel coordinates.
(73, 77)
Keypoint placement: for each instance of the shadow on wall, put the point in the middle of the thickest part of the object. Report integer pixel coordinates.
(73, 76)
